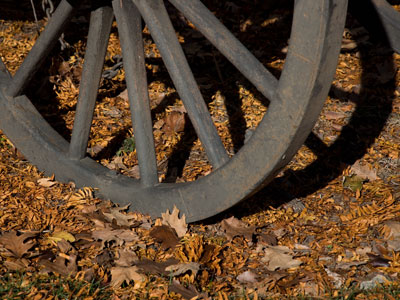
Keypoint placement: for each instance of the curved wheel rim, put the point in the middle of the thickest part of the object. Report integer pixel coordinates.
(297, 105)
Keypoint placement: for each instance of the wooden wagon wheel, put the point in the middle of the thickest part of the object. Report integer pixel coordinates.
(296, 100)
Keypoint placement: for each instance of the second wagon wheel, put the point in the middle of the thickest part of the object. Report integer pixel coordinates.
(295, 102)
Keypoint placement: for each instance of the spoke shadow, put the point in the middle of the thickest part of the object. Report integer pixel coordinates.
(367, 122)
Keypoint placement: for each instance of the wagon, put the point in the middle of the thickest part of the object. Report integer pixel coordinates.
(296, 99)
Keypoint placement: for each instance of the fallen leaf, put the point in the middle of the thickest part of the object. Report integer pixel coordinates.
(46, 182)
(179, 269)
(374, 282)
(165, 235)
(119, 275)
(353, 182)
(126, 258)
(278, 257)
(15, 243)
(234, 227)
(378, 261)
(61, 235)
(391, 230)
(119, 235)
(120, 218)
(337, 279)
(16, 265)
(174, 122)
(333, 115)
(173, 220)
(104, 258)
(363, 171)
(267, 238)
(63, 264)
(155, 268)
(188, 293)
(247, 277)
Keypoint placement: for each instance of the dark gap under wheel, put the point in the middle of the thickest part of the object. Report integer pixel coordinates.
(296, 99)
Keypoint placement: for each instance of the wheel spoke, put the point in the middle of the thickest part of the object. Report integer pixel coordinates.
(130, 34)
(161, 29)
(99, 31)
(41, 49)
(229, 45)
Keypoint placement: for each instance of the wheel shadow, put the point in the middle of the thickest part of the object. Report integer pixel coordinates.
(365, 125)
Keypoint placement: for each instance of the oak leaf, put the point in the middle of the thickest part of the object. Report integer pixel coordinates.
(126, 258)
(279, 257)
(63, 264)
(173, 220)
(234, 227)
(179, 269)
(364, 171)
(247, 277)
(187, 293)
(120, 236)
(174, 122)
(154, 267)
(46, 182)
(165, 235)
(16, 243)
(119, 275)
(120, 218)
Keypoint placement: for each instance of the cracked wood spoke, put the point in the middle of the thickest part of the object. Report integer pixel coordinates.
(228, 45)
(99, 31)
(130, 34)
(161, 29)
(41, 49)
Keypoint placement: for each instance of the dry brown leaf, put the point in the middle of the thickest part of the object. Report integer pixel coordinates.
(186, 293)
(119, 235)
(234, 227)
(119, 275)
(126, 258)
(15, 243)
(334, 115)
(63, 264)
(247, 277)
(364, 171)
(179, 269)
(15, 265)
(173, 220)
(165, 235)
(46, 182)
(120, 218)
(155, 268)
(278, 257)
(174, 122)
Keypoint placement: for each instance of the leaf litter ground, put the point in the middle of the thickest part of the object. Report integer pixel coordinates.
(327, 225)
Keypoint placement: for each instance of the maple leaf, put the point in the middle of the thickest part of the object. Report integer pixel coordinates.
(165, 235)
(173, 220)
(15, 243)
(121, 274)
(234, 227)
(64, 265)
(278, 257)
